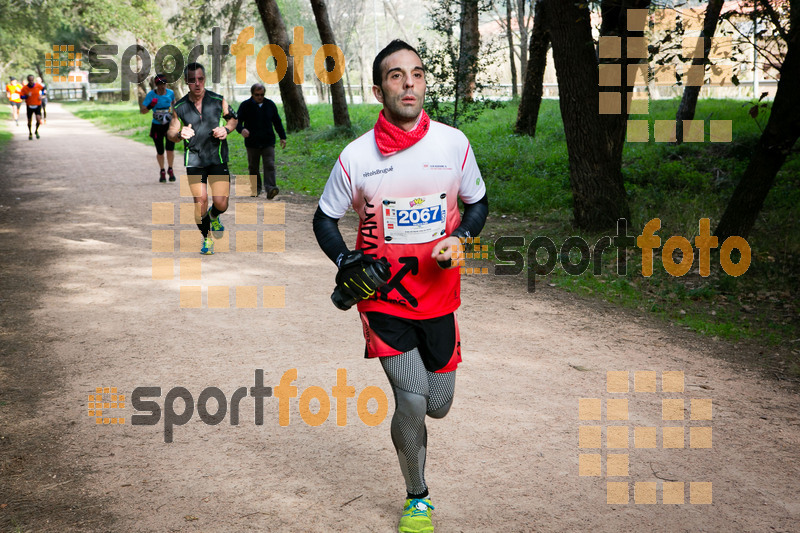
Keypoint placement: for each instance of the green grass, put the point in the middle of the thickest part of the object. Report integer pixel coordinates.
(5, 118)
(529, 193)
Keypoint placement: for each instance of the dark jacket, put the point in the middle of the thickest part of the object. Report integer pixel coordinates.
(259, 121)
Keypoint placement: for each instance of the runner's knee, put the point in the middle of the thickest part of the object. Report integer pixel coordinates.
(221, 203)
(410, 405)
(440, 411)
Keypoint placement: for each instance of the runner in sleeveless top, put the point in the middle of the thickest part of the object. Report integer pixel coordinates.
(196, 121)
(161, 100)
(404, 178)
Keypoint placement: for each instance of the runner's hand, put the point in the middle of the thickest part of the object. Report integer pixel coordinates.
(245, 133)
(187, 132)
(353, 277)
(446, 250)
(283, 143)
(220, 132)
(152, 103)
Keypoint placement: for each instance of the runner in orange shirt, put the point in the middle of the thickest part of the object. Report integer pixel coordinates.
(31, 93)
(13, 87)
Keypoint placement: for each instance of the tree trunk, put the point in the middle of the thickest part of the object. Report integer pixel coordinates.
(236, 8)
(469, 48)
(349, 87)
(294, 105)
(365, 76)
(614, 24)
(781, 133)
(523, 38)
(594, 140)
(141, 85)
(528, 113)
(510, 37)
(691, 92)
(341, 118)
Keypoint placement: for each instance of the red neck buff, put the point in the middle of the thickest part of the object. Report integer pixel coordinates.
(391, 139)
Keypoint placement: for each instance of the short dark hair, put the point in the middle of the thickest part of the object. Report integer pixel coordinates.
(257, 86)
(392, 47)
(193, 66)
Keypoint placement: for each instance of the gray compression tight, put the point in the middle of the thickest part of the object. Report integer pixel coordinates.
(417, 392)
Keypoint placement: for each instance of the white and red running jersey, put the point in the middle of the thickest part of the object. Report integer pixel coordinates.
(406, 202)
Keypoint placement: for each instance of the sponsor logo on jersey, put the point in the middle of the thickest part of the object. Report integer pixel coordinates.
(436, 166)
(378, 171)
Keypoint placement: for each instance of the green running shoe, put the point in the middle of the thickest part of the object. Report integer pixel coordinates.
(416, 517)
(216, 225)
(208, 247)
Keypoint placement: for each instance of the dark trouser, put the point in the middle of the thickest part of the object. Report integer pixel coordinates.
(254, 156)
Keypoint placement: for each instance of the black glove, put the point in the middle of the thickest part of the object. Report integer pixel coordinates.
(152, 103)
(358, 278)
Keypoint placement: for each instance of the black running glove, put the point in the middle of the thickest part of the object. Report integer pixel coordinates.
(355, 276)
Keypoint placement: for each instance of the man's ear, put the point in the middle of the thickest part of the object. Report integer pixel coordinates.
(376, 90)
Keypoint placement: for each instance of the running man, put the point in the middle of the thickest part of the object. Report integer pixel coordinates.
(196, 121)
(404, 178)
(44, 98)
(31, 93)
(161, 101)
(13, 87)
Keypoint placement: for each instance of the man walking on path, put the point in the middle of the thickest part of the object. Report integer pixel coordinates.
(404, 179)
(197, 122)
(257, 118)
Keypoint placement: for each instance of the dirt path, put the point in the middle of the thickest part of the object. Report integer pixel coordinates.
(80, 310)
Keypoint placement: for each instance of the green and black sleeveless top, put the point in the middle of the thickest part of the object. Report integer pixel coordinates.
(203, 149)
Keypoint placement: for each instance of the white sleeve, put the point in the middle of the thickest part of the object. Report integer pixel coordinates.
(338, 194)
(472, 187)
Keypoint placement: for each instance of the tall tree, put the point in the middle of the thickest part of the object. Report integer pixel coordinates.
(294, 104)
(339, 100)
(528, 113)
(691, 92)
(778, 138)
(510, 38)
(595, 133)
(470, 44)
(522, 24)
(516, 21)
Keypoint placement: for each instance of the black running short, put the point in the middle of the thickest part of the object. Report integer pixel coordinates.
(32, 110)
(210, 170)
(437, 339)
